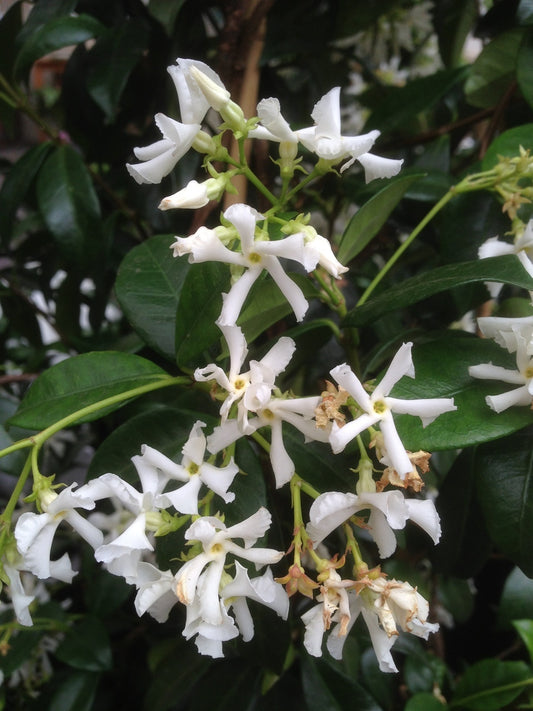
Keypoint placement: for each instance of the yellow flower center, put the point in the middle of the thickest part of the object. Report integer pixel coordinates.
(216, 548)
(193, 468)
(380, 407)
(529, 372)
(254, 257)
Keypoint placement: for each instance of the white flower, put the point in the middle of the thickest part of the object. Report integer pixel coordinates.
(272, 412)
(273, 126)
(505, 331)
(522, 376)
(194, 472)
(34, 532)
(160, 157)
(378, 408)
(263, 589)
(334, 606)
(256, 255)
(384, 605)
(325, 140)
(259, 379)
(216, 541)
(522, 247)
(195, 194)
(389, 511)
(20, 600)
(155, 591)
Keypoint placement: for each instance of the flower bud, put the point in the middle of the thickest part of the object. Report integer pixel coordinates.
(218, 96)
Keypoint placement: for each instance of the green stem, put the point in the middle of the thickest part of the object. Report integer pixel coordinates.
(360, 565)
(41, 437)
(17, 491)
(401, 249)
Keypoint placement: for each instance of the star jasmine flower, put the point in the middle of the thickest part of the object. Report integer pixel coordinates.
(34, 533)
(379, 406)
(263, 589)
(194, 472)
(325, 140)
(522, 376)
(505, 331)
(272, 412)
(384, 605)
(195, 194)
(273, 127)
(522, 247)
(20, 600)
(155, 591)
(216, 541)
(159, 158)
(259, 379)
(256, 255)
(389, 511)
(334, 606)
(192, 100)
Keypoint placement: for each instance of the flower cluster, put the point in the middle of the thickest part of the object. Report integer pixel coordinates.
(211, 583)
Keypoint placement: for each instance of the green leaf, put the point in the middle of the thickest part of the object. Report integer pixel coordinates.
(505, 270)
(148, 288)
(17, 183)
(112, 59)
(43, 12)
(75, 693)
(464, 545)
(165, 13)
(242, 693)
(453, 20)
(164, 428)
(524, 62)
(55, 34)
(325, 688)
(490, 685)
(493, 71)
(81, 381)
(508, 144)
(86, 646)
(370, 218)
(517, 598)
(199, 307)
(525, 630)
(418, 95)
(441, 367)
(70, 207)
(10, 25)
(424, 702)
(504, 471)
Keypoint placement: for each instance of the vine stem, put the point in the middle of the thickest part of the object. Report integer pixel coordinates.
(401, 249)
(39, 439)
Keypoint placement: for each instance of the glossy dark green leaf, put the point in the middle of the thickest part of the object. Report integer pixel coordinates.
(371, 217)
(17, 183)
(516, 602)
(454, 19)
(80, 381)
(199, 307)
(70, 207)
(243, 691)
(524, 62)
(75, 692)
(525, 630)
(55, 34)
(442, 371)
(176, 668)
(504, 471)
(163, 428)
(490, 685)
(400, 105)
(326, 688)
(505, 270)
(425, 702)
(508, 144)
(10, 25)
(86, 646)
(112, 59)
(465, 545)
(493, 71)
(148, 288)
(166, 13)
(43, 12)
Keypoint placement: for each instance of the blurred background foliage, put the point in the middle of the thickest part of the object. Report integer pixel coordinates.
(84, 269)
